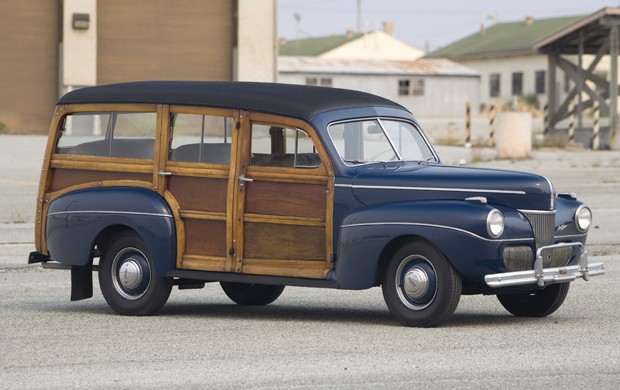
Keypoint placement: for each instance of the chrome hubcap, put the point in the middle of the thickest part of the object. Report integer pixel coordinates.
(131, 273)
(416, 282)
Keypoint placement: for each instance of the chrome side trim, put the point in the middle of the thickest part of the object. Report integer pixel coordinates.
(370, 187)
(435, 226)
(545, 276)
(109, 212)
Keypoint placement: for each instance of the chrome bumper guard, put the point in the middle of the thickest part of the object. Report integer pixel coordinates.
(544, 276)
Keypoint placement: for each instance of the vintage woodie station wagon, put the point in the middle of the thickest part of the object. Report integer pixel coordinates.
(258, 186)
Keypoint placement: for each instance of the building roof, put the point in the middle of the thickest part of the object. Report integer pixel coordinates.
(315, 46)
(297, 101)
(421, 67)
(593, 28)
(502, 39)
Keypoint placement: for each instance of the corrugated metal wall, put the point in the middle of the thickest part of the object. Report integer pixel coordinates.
(29, 35)
(164, 40)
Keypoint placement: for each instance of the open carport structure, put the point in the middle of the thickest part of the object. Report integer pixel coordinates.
(597, 35)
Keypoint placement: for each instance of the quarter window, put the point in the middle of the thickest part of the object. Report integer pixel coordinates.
(109, 134)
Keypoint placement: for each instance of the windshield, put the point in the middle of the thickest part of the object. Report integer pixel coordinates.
(379, 140)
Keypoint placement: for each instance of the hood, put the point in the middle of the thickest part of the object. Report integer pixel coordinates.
(379, 184)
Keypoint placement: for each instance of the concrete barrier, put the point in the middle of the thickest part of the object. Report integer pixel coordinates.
(513, 135)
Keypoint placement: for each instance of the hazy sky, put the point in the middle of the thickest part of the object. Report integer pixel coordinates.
(431, 22)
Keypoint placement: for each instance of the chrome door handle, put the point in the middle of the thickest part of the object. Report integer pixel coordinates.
(245, 179)
(164, 173)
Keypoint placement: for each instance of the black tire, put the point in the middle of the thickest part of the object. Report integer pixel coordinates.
(127, 277)
(538, 304)
(420, 286)
(248, 294)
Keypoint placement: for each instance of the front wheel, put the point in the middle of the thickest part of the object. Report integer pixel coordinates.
(249, 294)
(420, 286)
(538, 304)
(127, 277)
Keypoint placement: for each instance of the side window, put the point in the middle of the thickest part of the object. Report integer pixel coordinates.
(200, 138)
(276, 146)
(109, 134)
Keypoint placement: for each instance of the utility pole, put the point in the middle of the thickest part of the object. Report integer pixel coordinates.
(359, 16)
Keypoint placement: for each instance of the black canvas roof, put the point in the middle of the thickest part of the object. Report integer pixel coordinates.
(298, 101)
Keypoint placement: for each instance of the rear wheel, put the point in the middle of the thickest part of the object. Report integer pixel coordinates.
(538, 304)
(420, 286)
(249, 294)
(127, 277)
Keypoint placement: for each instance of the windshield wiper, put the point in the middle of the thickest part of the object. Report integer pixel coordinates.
(356, 162)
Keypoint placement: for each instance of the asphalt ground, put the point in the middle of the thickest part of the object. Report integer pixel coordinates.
(308, 338)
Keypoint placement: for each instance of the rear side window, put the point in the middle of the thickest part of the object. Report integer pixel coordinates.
(109, 134)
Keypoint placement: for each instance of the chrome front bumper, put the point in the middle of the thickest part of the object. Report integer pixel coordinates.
(544, 276)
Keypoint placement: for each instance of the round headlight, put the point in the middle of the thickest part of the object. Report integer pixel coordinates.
(583, 218)
(495, 223)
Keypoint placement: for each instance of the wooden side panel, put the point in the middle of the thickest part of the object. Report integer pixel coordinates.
(282, 242)
(199, 193)
(290, 199)
(205, 237)
(63, 178)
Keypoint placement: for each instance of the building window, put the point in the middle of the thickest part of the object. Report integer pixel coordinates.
(517, 83)
(418, 87)
(540, 81)
(403, 87)
(326, 82)
(494, 82)
(311, 81)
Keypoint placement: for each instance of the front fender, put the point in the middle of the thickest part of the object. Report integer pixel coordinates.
(456, 228)
(75, 220)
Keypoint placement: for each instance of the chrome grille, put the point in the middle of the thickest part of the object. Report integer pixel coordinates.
(543, 225)
(518, 258)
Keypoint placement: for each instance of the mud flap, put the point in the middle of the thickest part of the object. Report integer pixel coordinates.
(81, 282)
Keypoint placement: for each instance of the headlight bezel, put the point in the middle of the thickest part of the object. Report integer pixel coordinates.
(578, 218)
(493, 223)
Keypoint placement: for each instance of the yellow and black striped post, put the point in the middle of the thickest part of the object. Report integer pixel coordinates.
(571, 122)
(596, 125)
(546, 119)
(492, 125)
(468, 124)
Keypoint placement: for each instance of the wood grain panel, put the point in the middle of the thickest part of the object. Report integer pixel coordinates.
(63, 178)
(294, 199)
(199, 193)
(281, 242)
(205, 238)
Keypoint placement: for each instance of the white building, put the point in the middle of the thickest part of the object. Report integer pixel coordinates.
(427, 87)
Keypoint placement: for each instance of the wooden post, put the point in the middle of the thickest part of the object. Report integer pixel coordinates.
(468, 124)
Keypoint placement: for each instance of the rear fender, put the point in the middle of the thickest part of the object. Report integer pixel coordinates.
(76, 221)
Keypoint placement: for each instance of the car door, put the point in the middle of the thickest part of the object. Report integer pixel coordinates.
(195, 179)
(284, 199)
